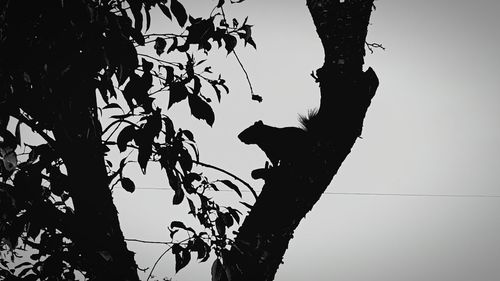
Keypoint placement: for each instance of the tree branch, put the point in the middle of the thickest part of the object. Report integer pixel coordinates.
(35, 127)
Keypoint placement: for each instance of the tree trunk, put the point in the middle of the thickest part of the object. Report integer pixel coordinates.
(96, 232)
(60, 96)
(291, 189)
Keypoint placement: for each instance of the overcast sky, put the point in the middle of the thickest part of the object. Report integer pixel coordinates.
(433, 129)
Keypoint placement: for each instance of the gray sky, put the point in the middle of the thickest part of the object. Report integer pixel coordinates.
(433, 128)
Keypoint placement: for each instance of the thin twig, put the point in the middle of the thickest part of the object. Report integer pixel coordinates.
(164, 35)
(228, 173)
(371, 46)
(244, 70)
(36, 128)
(161, 256)
(147, 242)
(160, 60)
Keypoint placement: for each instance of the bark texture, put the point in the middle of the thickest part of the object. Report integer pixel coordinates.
(293, 187)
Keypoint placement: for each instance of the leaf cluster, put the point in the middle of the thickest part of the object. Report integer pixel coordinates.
(216, 220)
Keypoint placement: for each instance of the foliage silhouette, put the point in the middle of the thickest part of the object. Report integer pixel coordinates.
(55, 56)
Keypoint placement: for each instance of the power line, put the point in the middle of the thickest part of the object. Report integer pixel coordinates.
(367, 193)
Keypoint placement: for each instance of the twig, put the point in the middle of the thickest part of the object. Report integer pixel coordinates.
(371, 46)
(161, 256)
(245, 71)
(159, 60)
(147, 242)
(228, 173)
(36, 128)
(164, 35)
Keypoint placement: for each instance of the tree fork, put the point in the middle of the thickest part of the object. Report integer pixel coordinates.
(291, 190)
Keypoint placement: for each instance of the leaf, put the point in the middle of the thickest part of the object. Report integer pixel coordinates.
(18, 132)
(200, 62)
(246, 205)
(169, 129)
(190, 177)
(148, 16)
(222, 83)
(247, 32)
(207, 251)
(127, 134)
(128, 185)
(185, 161)
(172, 233)
(179, 12)
(218, 272)
(135, 7)
(160, 45)
(200, 247)
(234, 213)
(177, 224)
(165, 10)
(147, 65)
(132, 90)
(217, 91)
(152, 128)
(231, 185)
(200, 31)
(121, 116)
(188, 187)
(220, 225)
(230, 42)
(173, 180)
(196, 152)
(23, 264)
(112, 105)
(182, 259)
(228, 219)
(145, 151)
(183, 48)
(197, 85)
(178, 92)
(251, 42)
(137, 36)
(201, 109)
(25, 271)
(221, 2)
(188, 134)
(178, 196)
(173, 46)
(176, 248)
(192, 208)
(213, 186)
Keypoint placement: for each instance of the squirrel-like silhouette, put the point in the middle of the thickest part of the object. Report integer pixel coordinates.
(280, 145)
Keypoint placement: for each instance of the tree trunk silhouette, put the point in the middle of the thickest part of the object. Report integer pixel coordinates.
(96, 228)
(66, 106)
(292, 188)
